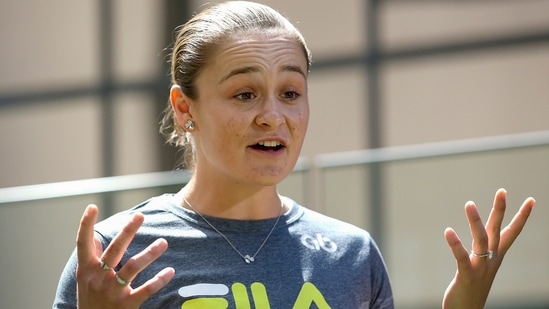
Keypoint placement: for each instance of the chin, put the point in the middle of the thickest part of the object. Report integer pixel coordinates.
(270, 179)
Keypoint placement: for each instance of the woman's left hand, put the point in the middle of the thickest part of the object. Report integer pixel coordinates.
(476, 269)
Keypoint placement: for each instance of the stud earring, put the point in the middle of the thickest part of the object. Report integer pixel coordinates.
(189, 125)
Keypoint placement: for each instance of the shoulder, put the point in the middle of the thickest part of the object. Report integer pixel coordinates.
(314, 223)
(156, 210)
(323, 221)
(335, 240)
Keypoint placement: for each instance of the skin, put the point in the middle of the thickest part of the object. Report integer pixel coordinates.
(475, 275)
(256, 90)
(97, 287)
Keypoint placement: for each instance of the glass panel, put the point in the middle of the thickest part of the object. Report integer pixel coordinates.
(425, 196)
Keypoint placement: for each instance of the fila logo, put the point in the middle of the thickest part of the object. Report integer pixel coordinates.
(216, 296)
(318, 242)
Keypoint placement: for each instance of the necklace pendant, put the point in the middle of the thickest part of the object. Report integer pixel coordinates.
(248, 259)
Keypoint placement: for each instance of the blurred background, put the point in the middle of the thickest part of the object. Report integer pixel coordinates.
(416, 108)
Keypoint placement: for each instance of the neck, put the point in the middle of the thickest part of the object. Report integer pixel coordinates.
(230, 203)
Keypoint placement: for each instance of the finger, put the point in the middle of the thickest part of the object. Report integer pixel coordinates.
(493, 225)
(115, 250)
(85, 242)
(460, 252)
(154, 285)
(480, 238)
(143, 259)
(513, 229)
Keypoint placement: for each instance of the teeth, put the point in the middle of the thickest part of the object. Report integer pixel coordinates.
(270, 143)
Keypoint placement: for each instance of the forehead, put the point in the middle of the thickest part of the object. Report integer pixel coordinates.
(255, 47)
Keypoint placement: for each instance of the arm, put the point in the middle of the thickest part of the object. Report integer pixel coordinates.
(476, 271)
(98, 285)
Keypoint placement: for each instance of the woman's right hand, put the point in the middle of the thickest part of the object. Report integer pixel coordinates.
(98, 285)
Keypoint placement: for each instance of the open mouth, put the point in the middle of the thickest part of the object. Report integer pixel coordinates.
(268, 146)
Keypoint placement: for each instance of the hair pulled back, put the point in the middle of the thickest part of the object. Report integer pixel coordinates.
(197, 40)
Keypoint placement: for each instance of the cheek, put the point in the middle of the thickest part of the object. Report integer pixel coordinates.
(301, 121)
(233, 128)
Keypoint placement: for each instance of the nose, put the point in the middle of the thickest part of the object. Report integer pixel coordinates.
(270, 114)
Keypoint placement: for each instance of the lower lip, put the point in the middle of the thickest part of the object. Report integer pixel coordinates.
(268, 152)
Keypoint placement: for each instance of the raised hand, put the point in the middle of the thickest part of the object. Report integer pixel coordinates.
(98, 285)
(476, 269)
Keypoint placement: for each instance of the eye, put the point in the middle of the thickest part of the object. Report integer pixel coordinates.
(291, 95)
(245, 96)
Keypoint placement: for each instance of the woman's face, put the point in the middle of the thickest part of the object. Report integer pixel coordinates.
(252, 110)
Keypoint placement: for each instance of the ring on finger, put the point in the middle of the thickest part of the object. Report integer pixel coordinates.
(121, 281)
(487, 255)
(104, 266)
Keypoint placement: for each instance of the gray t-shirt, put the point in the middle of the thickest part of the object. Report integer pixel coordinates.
(309, 261)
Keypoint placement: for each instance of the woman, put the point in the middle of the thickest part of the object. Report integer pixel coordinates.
(239, 107)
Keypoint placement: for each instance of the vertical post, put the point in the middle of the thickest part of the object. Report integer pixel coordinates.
(176, 12)
(375, 176)
(106, 96)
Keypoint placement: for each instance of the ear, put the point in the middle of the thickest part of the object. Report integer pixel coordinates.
(180, 104)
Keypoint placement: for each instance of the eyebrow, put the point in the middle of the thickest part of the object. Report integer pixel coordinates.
(294, 68)
(254, 69)
(243, 70)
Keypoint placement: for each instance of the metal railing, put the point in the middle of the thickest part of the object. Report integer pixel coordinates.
(318, 163)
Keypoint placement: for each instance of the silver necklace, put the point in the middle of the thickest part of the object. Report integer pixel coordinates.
(247, 258)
